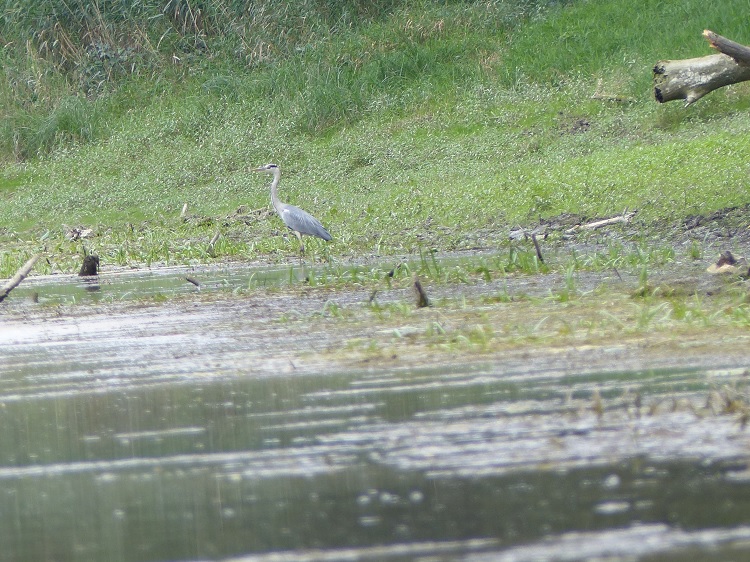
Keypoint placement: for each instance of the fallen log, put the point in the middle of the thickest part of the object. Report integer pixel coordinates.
(16, 280)
(691, 79)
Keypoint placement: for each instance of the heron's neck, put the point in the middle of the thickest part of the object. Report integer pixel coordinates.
(274, 189)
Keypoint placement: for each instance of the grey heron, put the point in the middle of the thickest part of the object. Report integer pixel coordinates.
(298, 221)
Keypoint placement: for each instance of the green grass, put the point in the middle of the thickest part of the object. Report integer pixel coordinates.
(404, 130)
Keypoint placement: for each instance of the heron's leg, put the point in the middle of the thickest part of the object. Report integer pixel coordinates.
(301, 244)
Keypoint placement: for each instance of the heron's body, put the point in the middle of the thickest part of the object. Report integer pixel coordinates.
(298, 221)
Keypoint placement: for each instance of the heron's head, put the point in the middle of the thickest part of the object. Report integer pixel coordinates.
(268, 168)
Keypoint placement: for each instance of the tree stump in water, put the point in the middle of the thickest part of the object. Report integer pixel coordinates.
(90, 266)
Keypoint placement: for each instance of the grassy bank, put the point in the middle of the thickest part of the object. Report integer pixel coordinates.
(400, 126)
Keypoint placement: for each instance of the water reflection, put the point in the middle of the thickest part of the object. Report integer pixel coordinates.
(173, 281)
(189, 512)
(411, 463)
(90, 284)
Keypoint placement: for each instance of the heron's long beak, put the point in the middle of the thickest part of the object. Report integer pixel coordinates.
(258, 170)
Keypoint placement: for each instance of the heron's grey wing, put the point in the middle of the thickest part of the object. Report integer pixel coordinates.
(303, 222)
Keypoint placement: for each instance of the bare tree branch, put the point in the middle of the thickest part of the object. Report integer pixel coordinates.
(18, 278)
(740, 53)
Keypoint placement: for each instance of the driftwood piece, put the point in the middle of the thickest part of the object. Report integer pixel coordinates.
(691, 79)
(18, 278)
(212, 244)
(78, 233)
(623, 218)
(728, 264)
(520, 233)
(537, 248)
